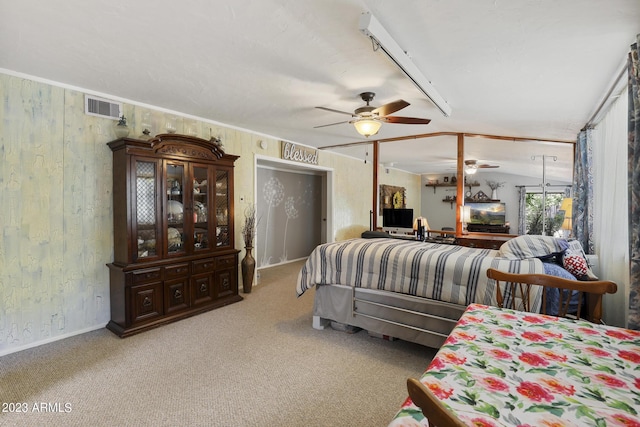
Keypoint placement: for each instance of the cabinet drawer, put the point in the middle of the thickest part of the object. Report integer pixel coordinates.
(147, 275)
(177, 270)
(202, 290)
(226, 282)
(227, 261)
(146, 302)
(203, 266)
(176, 295)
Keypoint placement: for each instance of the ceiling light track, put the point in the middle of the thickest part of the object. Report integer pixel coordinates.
(371, 27)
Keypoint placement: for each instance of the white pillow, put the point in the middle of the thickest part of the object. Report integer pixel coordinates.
(530, 246)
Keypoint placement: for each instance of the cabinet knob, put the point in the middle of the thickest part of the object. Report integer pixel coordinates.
(203, 287)
(146, 302)
(177, 294)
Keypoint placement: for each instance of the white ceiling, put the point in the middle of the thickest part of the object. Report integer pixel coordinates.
(527, 68)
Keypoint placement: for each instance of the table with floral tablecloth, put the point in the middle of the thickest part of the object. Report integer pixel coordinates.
(500, 367)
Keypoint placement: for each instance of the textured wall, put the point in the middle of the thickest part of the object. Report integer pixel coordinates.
(56, 205)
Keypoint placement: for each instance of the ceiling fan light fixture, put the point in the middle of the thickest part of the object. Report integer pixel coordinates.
(471, 169)
(367, 127)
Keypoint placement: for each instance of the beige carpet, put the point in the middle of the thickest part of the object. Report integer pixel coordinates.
(254, 363)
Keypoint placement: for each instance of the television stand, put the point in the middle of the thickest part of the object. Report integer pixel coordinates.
(485, 228)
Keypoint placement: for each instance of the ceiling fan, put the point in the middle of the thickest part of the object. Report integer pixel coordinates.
(368, 119)
(472, 166)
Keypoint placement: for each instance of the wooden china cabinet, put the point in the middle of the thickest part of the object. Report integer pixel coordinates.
(174, 252)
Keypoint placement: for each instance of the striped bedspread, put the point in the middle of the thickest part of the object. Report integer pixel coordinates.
(449, 273)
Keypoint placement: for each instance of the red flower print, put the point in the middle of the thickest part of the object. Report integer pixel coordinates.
(451, 339)
(621, 334)
(481, 422)
(534, 392)
(505, 333)
(439, 391)
(533, 336)
(533, 359)
(624, 420)
(588, 331)
(474, 319)
(554, 356)
(557, 387)
(628, 355)
(465, 336)
(436, 363)
(476, 306)
(500, 354)
(508, 316)
(597, 352)
(636, 383)
(611, 381)
(494, 384)
(453, 358)
(535, 319)
(550, 334)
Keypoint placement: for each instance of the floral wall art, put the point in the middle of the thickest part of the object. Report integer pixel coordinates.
(289, 209)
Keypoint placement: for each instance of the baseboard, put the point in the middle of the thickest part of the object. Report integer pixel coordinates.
(50, 340)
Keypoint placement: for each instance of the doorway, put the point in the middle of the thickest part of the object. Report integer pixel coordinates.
(293, 208)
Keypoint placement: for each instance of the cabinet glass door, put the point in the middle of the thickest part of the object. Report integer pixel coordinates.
(175, 213)
(145, 209)
(200, 208)
(222, 208)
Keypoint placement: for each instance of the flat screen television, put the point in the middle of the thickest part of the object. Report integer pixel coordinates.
(486, 213)
(397, 219)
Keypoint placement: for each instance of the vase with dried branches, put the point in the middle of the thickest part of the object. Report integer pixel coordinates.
(248, 262)
(494, 185)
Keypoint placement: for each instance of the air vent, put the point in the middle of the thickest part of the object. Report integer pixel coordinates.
(94, 106)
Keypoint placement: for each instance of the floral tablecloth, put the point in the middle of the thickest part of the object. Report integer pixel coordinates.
(500, 367)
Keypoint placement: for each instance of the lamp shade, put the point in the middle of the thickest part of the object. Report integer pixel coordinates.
(367, 127)
(465, 214)
(423, 223)
(567, 207)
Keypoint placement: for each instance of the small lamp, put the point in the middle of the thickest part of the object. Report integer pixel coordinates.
(465, 217)
(420, 225)
(567, 207)
(367, 127)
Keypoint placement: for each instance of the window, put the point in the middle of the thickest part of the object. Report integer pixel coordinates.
(550, 215)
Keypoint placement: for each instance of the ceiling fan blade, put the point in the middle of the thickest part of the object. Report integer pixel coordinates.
(405, 120)
(336, 111)
(391, 107)
(488, 166)
(330, 124)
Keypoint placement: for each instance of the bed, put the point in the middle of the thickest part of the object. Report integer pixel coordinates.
(411, 290)
(512, 368)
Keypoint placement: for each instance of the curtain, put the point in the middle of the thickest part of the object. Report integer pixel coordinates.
(522, 210)
(610, 207)
(583, 191)
(634, 186)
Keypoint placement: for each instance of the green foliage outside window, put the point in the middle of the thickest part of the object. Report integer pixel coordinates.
(535, 211)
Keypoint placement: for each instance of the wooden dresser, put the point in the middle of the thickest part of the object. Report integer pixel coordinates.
(483, 240)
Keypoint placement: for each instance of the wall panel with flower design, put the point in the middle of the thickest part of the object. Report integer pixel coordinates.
(289, 208)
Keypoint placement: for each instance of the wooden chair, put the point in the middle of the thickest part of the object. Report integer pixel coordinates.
(437, 414)
(519, 286)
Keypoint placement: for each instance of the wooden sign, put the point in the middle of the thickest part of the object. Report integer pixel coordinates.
(291, 151)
